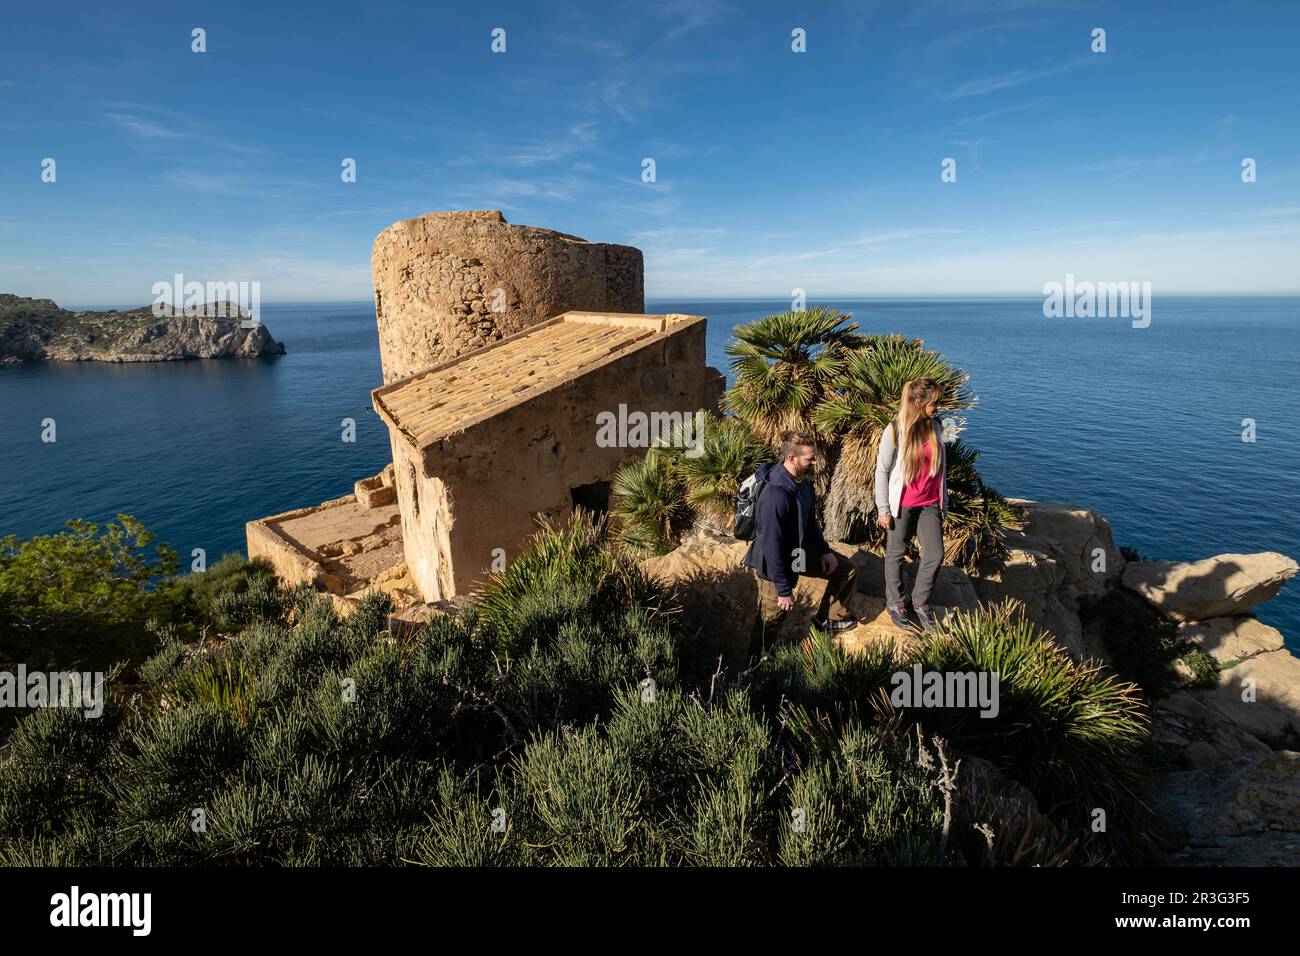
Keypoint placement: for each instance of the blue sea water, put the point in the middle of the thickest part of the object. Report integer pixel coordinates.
(1142, 424)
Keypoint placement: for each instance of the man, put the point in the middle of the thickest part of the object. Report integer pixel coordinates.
(787, 543)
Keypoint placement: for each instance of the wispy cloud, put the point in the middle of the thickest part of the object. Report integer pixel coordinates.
(1006, 81)
(902, 235)
(144, 127)
(1004, 111)
(151, 125)
(581, 137)
(679, 234)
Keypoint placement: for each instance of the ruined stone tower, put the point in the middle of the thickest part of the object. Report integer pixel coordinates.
(502, 346)
(451, 282)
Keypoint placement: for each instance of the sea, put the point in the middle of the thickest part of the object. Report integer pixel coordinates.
(1182, 433)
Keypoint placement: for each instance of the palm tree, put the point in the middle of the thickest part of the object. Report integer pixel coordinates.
(865, 397)
(649, 503)
(729, 455)
(783, 365)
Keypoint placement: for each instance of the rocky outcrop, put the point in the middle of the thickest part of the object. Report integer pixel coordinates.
(1260, 695)
(1233, 795)
(1244, 813)
(1213, 587)
(450, 282)
(718, 597)
(1231, 640)
(1064, 553)
(37, 330)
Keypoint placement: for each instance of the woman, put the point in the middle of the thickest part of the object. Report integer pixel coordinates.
(912, 495)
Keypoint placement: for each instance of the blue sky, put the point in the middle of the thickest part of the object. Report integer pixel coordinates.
(775, 169)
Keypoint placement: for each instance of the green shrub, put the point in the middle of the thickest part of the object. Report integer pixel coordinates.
(558, 702)
(1075, 736)
(79, 599)
(867, 802)
(192, 601)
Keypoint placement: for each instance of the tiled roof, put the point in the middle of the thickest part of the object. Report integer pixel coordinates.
(447, 398)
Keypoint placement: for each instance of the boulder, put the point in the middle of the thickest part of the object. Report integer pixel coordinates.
(1062, 622)
(1260, 695)
(1205, 738)
(1030, 573)
(1227, 584)
(1230, 640)
(1035, 575)
(1084, 546)
(716, 592)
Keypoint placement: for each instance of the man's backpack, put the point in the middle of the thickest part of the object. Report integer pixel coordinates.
(747, 502)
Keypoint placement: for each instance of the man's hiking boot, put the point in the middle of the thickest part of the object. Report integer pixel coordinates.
(924, 616)
(898, 615)
(834, 626)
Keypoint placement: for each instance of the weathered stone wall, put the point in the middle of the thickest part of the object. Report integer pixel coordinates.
(479, 490)
(435, 279)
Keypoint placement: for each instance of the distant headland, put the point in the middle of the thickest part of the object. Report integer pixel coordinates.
(38, 330)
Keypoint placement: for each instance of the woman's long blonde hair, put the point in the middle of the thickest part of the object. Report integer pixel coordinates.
(915, 430)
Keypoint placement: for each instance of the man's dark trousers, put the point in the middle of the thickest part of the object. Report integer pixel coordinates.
(840, 585)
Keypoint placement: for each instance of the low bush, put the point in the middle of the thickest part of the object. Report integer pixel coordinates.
(558, 718)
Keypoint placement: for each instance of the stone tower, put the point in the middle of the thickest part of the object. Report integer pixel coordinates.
(448, 283)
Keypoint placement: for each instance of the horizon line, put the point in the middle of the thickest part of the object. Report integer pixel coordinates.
(825, 299)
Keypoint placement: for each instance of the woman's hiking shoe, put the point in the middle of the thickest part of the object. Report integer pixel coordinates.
(898, 615)
(924, 616)
(833, 626)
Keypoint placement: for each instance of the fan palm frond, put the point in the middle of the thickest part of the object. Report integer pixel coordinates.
(649, 503)
(783, 365)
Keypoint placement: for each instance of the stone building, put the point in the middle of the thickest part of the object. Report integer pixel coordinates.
(484, 443)
(501, 347)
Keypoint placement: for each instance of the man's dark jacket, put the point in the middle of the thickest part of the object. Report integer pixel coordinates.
(785, 519)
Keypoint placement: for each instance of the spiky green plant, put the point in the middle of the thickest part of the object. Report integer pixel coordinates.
(1074, 735)
(725, 454)
(220, 681)
(784, 365)
(649, 503)
(563, 569)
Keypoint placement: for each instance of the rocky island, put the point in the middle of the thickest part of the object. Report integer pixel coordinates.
(38, 330)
